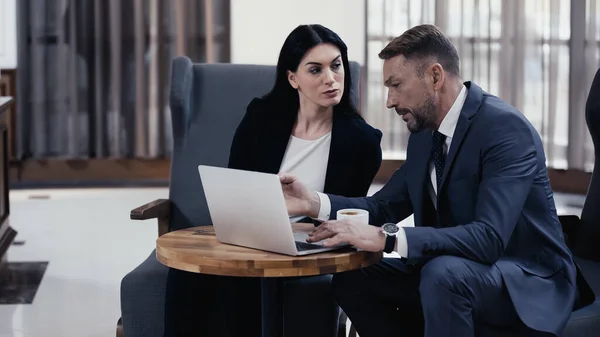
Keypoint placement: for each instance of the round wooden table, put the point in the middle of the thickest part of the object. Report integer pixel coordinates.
(197, 250)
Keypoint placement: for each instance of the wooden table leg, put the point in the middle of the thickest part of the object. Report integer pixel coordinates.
(272, 307)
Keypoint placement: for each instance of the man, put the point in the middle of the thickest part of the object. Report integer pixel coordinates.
(487, 250)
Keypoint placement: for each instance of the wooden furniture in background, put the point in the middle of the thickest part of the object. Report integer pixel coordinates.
(95, 171)
(7, 234)
(8, 88)
(564, 181)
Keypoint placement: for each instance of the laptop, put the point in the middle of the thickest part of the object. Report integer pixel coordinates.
(248, 209)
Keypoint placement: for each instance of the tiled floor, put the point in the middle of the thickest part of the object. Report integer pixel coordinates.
(90, 244)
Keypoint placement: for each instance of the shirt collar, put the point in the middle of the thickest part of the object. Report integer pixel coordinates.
(449, 122)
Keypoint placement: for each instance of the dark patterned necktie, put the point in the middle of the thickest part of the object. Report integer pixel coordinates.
(438, 157)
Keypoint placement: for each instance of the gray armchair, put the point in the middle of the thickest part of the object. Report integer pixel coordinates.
(207, 103)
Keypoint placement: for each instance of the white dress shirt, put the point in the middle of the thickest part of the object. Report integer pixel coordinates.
(446, 128)
(307, 160)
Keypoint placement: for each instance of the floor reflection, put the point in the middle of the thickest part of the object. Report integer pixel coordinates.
(19, 282)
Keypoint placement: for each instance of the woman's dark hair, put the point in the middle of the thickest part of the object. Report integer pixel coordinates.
(300, 40)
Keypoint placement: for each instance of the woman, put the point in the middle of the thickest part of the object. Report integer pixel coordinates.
(306, 125)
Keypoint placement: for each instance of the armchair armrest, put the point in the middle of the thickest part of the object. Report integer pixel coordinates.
(158, 209)
(570, 225)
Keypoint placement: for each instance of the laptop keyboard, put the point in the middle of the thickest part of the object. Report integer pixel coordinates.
(302, 246)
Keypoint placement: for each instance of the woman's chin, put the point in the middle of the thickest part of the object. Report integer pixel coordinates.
(331, 102)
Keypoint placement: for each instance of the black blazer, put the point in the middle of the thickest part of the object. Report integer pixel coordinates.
(262, 137)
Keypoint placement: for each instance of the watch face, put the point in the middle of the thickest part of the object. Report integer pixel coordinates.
(391, 228)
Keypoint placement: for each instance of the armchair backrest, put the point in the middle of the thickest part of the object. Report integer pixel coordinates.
(588, 234)
(207, 103)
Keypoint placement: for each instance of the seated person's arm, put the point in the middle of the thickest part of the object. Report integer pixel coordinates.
(390, 204)
(509, 166)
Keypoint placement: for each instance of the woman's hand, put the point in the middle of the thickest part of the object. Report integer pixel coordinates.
(298, 199)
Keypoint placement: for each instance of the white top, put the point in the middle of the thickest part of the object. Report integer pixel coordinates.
(307, 160)
(447, 128)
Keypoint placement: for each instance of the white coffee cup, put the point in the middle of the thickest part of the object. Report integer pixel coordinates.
(355, 214)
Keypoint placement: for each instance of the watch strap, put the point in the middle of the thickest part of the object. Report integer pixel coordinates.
(390, 243)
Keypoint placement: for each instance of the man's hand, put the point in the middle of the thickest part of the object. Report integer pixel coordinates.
(298, 199)
(365, 237)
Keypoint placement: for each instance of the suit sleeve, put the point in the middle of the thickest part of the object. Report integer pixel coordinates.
(371, 162)
(240, 154)
(509, 166)
(390, 204)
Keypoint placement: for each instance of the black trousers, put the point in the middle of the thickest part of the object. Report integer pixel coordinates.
(448, 296)
(218, 306)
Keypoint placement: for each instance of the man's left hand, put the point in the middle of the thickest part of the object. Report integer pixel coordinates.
(361, 236)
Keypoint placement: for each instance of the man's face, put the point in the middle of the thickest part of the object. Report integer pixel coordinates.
(409, 93)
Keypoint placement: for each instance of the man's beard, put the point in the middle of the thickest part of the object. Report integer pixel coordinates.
(423, 116)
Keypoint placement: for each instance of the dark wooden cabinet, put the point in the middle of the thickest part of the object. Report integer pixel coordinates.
(8, 88)
(7, 234)
(4, 207)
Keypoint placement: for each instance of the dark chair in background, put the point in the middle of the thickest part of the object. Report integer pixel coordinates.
(583, 234)
(207, 103)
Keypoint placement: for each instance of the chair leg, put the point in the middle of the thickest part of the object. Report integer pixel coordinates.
(342, 326)
(352, 332)
(120, 327)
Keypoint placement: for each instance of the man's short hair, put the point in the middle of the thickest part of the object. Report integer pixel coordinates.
(421, 43)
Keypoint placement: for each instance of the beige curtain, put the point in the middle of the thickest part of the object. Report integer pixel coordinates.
(93, 77)
(538, 55)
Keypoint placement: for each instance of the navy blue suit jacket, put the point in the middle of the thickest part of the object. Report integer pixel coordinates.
(262, 137)
(496, 206)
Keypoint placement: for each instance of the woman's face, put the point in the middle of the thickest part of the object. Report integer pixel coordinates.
(320, 76)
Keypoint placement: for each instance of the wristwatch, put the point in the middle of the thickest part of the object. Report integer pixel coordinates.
(390, 230)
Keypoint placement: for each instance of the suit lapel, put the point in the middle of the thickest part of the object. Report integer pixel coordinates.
(470, 108)
(276, 141)
(340, 155)
(421, 173)
(459, 134)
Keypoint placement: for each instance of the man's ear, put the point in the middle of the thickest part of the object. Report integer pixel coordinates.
(438, 76)
(292, 79)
